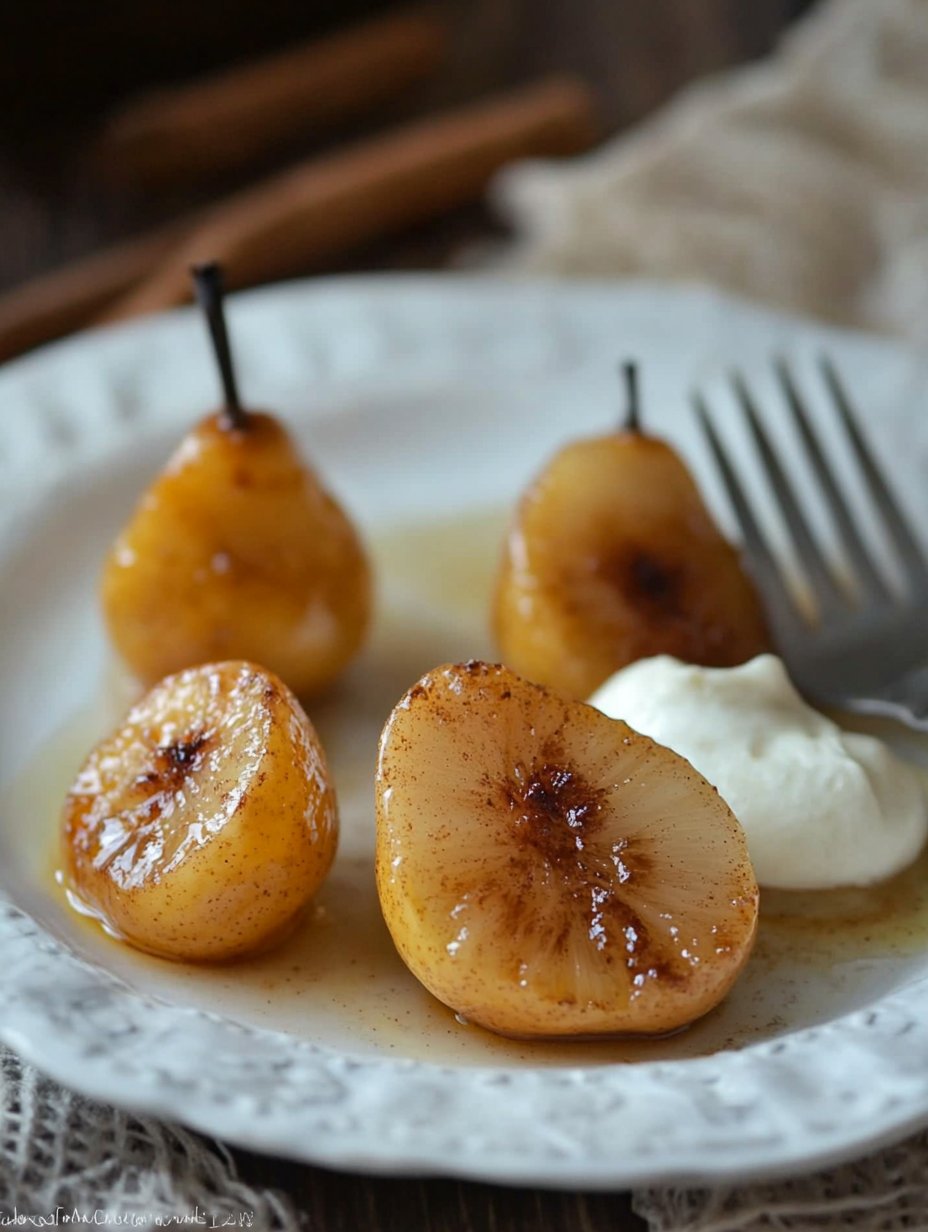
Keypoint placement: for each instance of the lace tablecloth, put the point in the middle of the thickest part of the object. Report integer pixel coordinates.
(802, 182)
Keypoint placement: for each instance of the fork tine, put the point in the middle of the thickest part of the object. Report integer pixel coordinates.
(894, 521)
(869, 577)
(766, 570)
(830, 598)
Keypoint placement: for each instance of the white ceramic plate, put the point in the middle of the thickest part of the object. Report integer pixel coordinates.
(427, 402)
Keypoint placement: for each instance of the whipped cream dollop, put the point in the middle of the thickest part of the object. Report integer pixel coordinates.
(821, 807)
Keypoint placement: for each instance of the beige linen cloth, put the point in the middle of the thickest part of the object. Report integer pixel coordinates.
(803, 183)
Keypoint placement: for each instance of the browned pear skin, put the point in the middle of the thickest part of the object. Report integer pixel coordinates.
(613, 557)
(237, 551)
(547, 872)
(200, 828)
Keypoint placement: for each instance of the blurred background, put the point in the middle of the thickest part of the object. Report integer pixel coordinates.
(96, 96)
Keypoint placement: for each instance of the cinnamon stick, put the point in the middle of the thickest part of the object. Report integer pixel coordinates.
(315, 212)
(64, 300)
(189, 133)
(294, 222)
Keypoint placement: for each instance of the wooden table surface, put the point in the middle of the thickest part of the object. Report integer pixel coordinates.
(53, 208)
(635, 56)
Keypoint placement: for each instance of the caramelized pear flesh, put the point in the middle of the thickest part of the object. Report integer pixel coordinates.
(201, 827)
(613, 557)
(237, 551)
(545, 871)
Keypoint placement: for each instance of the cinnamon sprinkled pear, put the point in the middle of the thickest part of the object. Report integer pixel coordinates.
(237, 551)
(613, 557)
(202, 825)
(546, 871)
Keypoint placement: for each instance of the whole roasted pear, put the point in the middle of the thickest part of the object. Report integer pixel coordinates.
(237, 551)
(612, 556)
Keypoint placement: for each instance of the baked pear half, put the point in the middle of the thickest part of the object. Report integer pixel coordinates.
(201, 827)
(545, 871)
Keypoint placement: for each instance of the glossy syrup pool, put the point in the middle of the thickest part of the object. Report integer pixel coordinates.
(338, 981)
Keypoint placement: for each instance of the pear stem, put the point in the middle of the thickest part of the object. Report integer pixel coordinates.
(207, 279)
(632, 421)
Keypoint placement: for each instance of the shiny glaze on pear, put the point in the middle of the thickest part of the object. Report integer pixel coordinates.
(204, 823)
(545, 871)
(613, 557)
(237, 551)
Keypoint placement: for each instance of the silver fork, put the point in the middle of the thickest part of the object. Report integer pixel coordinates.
(863, 642)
